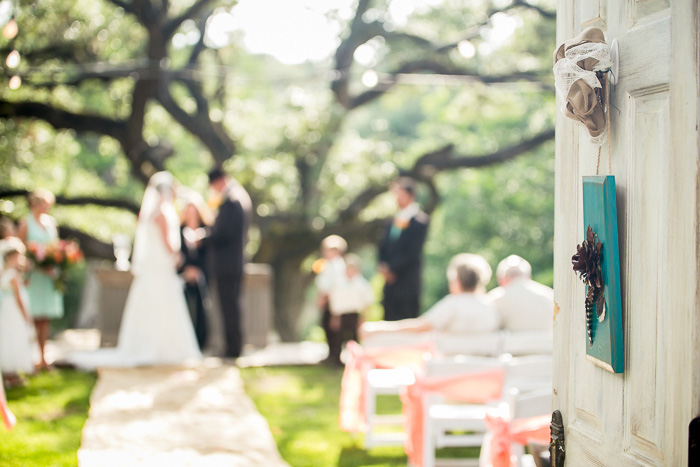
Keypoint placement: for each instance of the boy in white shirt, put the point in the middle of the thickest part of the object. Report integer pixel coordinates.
(331, 274)
(347, 302)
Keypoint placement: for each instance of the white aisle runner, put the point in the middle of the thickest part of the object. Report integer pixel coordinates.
(175, 416)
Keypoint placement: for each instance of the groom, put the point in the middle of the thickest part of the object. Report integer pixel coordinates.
(227, 240)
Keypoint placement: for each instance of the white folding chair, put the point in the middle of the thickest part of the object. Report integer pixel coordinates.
(380, 382)
(527, 342)
(521, 373)
(442, 419)
(386, 429)
(527, 405)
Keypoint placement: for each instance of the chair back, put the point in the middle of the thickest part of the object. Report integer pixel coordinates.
(530, 404)
(485, 345)
(396, 339)
(461, 364)
(527, 342)
(528, 373)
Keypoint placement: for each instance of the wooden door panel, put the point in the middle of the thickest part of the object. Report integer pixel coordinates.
(645, 8)
(588, 403)
(644, 56)
(647, 266)
(592, 12)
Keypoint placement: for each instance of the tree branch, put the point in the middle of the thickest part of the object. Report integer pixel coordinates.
(92, 247)
(145, 160)
(434, 66)
(346, 49)
(445, 159)
(191, 12)
(211, 134)
(76, 200)
(539, 9)
(442, 159)
(64, 119)
(360, 202)
(361, 32)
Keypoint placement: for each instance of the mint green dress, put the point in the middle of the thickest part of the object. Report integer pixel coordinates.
(44, 300)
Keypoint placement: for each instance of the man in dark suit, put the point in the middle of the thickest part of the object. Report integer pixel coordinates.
(226, 241)
(401, 254)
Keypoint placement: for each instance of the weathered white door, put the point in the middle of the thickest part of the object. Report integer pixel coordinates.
(640, 417)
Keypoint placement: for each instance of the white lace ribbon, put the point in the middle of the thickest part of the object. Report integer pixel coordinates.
(567, 72)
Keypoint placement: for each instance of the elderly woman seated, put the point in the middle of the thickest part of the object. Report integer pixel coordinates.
(465, 311)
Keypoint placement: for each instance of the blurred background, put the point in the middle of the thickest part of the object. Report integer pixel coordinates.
(313, 105)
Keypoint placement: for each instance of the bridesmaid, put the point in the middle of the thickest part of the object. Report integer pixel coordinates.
(45, 302)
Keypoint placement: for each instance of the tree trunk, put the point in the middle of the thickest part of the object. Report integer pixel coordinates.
(290, 286)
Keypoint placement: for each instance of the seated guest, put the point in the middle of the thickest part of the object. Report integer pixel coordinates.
(523, 304)
(465, 311)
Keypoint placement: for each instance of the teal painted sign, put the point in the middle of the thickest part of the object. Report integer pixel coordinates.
(600, 213)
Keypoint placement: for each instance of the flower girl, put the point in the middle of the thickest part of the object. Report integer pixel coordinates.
(16, 332)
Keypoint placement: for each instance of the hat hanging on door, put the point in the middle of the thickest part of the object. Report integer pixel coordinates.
(580, 67)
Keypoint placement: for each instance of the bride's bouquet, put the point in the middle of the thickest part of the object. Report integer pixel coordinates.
(57, 257)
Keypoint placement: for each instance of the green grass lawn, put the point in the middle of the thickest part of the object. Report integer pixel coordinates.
(301, 405)
(51, 411)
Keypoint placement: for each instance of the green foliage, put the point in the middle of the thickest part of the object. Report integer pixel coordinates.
(51, 411)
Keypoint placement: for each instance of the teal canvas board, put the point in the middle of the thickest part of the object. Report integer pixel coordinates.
(600, 212)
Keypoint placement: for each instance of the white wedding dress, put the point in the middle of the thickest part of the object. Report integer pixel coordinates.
(156, 327)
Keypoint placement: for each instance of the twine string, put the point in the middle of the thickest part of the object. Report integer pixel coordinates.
(607, 110)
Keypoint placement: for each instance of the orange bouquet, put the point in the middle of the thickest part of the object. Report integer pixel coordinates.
(60, 256)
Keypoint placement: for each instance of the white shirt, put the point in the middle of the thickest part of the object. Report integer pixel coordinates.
(353, 296)
(463, 314)
(408, 213)
(333, 274)
(524, 305)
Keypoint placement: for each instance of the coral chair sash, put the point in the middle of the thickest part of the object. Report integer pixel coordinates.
(472, 388)
(359, 361)
(8, 418)
(520, 431)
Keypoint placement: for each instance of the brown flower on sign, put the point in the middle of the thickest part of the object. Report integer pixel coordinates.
(586, 262)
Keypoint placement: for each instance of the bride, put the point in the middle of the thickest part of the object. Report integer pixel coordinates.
(156, 327)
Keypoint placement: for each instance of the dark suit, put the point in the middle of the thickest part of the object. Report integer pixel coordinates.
(404, 257)
(226, 244)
